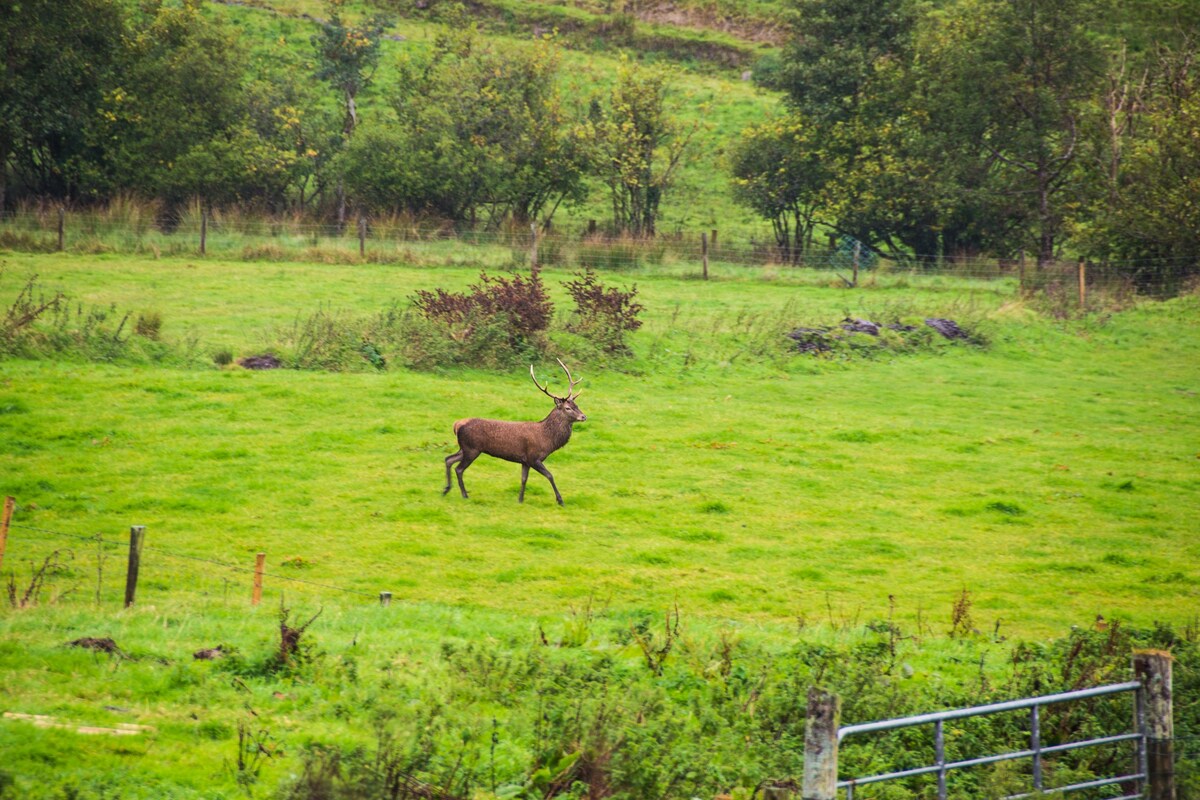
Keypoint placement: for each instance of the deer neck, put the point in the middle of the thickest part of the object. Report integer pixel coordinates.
(557, 426)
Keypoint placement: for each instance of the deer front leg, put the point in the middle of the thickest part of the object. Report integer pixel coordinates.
(540, 467)
(524, 477)
(454, 459)
(463, 463)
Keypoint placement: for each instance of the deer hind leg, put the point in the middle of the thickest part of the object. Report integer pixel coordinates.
(454, 459)
(463, 463)
(541, 468)
(524, 477)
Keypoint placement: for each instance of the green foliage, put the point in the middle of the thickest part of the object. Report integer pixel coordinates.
(640, 145)
(41, 325)
(1149, 205)
(779, 172)
(481, 131)
(348, 56)
(50, 107)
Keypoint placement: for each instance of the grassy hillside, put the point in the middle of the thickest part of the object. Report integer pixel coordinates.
(780, 503)
(709, 85)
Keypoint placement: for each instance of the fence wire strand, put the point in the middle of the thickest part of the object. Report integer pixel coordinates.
(147, 548)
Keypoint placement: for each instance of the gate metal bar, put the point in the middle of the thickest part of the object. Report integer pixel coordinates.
(1036, 751)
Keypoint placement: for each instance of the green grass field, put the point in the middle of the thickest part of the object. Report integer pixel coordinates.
(1053, 474)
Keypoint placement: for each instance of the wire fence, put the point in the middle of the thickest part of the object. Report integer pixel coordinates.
(405, 240)
(46, 565)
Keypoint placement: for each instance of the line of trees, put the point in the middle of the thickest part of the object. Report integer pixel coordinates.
(165, 101)
(967, 127)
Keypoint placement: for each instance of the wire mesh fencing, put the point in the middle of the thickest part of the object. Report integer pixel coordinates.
(401, 239)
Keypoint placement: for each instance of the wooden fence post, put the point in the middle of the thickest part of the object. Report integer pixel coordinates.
(259, 561)
(704, 252)
(1021, 274)
(1153, 669)
(203, 232)
(9, 504)
(824, 717)
(385, 599)
(857, 254)
(1082, 284)
(61, 228)
(533, 249)
(362, 237)
(137, 535)
(713, 239)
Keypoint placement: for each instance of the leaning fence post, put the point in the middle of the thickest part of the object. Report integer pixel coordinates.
(137, 534)
(1152, 668)
(704, 252)
(9, 504)
(823, 718)
(259, 561)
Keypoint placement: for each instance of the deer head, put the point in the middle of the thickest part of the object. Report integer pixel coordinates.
(564, 404)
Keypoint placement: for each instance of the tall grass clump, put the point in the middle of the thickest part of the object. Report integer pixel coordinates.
(40, 324)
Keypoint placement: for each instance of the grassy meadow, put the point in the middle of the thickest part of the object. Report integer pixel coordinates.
(1050, 475)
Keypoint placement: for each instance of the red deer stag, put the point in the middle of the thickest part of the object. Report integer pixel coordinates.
(524, 443)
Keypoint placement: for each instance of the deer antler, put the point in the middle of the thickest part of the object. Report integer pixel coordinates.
(543, 388)
(571, 393)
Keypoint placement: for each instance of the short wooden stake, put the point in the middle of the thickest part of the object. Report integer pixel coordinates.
(9, 504)
(203, 232)
(533, 249)
(259, 561)
(713, 239)
(704, 253)
(385, 599)
(1153, 669)
(824, 717)
(137, 535)
(1082, 283)
(61, 229)
(362, 237)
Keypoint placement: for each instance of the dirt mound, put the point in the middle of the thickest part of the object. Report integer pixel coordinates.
(265, 361)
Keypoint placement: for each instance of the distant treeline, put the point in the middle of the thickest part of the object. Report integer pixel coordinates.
(925, 130)
(164, 101)
(986, 126)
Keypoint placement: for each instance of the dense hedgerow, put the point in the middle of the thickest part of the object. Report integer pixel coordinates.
(702, 717)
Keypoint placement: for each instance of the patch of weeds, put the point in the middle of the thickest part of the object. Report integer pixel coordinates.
(857, 437)
(1120, 560)
(697, 536)
(1005, 508)
(722, 596)
(1169, 577)
(214, 731)
(714, 507)
(12, 405)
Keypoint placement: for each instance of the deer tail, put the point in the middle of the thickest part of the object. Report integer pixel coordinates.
(459, 424)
